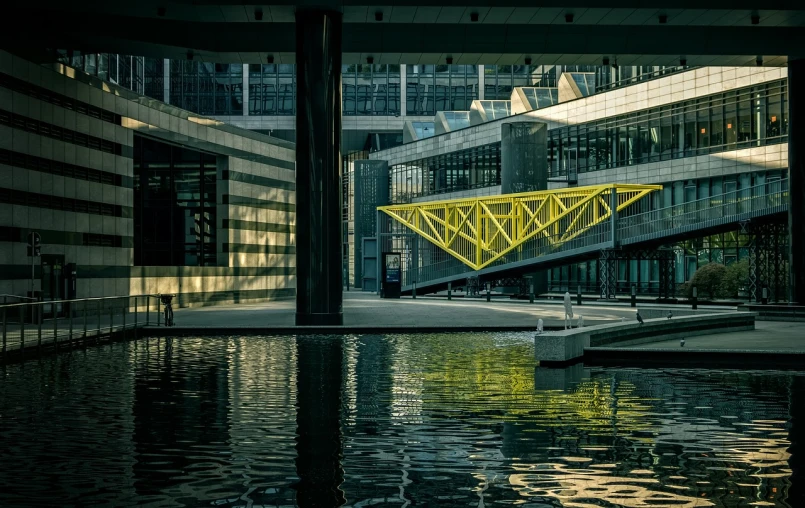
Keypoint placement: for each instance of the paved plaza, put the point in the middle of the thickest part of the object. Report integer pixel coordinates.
(367, 309)
(767, 336)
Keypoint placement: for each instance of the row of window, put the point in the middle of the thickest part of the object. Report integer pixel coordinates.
(36, 200)
(52, 131)
(461, 170)
(57, 99)
(750, 116)
(32, 162)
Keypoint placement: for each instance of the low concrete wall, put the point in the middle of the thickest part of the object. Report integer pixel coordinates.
(776, 312)
(662, 312)
(568, 345)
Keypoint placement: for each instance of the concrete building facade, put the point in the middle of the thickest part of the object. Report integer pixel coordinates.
(212, 222)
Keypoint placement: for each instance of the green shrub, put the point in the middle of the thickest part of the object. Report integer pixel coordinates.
(708, 279)
(736, 277)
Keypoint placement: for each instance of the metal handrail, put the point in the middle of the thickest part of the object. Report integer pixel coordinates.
(6, 296)
(67, 324)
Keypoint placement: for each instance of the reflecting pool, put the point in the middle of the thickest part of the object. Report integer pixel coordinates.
(397, 421)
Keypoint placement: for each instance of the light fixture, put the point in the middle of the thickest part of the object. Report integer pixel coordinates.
(759, 61)
(449, 60)
(663, 19)
(683, 62)
(258, 14)
(190, 55)
(615, 64)
(270, 59)
(729, 126)
(370, 60)
(528, 60)
(704, 130)
(474, 17)
(161, 11)
(755, 19)
(379, 16)
(605, 61)
(569, 18)
(773, 118)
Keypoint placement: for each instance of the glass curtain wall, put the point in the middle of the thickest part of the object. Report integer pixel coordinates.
(464, 169)
(370, 89)
(272, 89)
(752, 116)
(432, 88)
(174, 205)
(206, 88)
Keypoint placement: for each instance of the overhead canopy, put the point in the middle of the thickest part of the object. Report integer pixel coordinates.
(651, 32)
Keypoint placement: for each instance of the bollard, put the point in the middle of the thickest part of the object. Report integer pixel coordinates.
(765, 298)
(531, 293)
(449, 290)
(578, 295)
(413, 291)
(634, 295)
(488, 294)
(695, 297)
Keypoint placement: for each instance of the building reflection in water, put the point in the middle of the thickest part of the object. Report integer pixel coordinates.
(390, 421)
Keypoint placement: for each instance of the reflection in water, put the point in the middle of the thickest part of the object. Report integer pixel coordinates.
(389, 421)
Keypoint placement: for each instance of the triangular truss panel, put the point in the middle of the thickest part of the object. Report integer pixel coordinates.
(479, 231)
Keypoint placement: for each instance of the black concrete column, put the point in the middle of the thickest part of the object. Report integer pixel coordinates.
(796, 179)
(318, 168)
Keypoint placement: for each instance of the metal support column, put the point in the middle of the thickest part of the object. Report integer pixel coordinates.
(318, 168)
(796, 180)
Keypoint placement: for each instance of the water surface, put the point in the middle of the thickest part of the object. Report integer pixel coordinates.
(397, 421)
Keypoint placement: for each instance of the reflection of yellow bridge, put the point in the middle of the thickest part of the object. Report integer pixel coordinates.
(479, 231)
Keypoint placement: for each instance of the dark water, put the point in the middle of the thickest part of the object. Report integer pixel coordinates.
(398, 421)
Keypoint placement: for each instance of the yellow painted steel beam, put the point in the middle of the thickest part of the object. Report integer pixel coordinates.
(479, 231)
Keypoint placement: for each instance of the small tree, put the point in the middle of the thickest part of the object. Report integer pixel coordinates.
(708, 279)
(736, 277)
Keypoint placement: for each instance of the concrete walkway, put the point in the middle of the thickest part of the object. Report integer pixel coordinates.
(366, 309)
(767, 336)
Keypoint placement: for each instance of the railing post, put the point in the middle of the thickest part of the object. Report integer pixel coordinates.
(125, 308)
(159, 313)
(111, 319)
(413, 291)
(634, 296)
(488, 294)
(4, 333)
(136, 315)
(148, 310)
(39, 326)
(531, 293)
(70, 332)
(22, 329)
(98, 334)
(55, 326)
(578, 295)
(85, 323)
(449, 290)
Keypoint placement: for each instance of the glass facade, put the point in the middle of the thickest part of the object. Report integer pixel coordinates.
(272, 89)
(751, 116)
(500, 80)
(432, 88)
(174, 205)
(206, 88)
(370, 89)
(460, 170)
(723, 248)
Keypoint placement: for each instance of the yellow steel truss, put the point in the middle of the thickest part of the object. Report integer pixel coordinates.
(478, 231)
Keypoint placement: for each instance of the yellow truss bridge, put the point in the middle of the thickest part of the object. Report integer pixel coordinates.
(479, 231)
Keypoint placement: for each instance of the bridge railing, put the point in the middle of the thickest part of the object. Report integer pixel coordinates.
(763, 199)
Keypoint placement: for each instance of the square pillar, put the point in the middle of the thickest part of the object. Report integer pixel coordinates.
(318, 168)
